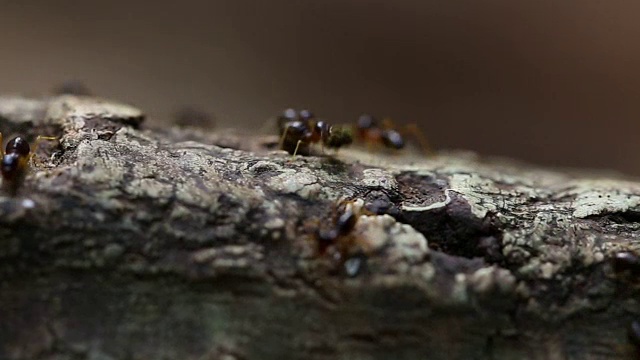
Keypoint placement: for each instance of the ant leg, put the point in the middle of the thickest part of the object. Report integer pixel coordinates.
(293, 157)
(36, 144)
(370, 146)
(418, 134)
(388, 124)
(284, 136)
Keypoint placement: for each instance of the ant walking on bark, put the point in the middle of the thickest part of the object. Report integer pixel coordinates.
(300, 129)
(371, 132)
(336, 237)
(16, 158)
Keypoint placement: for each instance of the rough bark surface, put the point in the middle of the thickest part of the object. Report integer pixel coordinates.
(125, 243)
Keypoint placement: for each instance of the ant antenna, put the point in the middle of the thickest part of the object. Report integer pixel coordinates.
(284, 136)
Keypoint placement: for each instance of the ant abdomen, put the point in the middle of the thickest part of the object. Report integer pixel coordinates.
(346, 221)
(392, 139)
(15, 160)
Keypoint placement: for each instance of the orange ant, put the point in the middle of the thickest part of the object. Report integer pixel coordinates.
(16, 158)
(299, 129)
(337, 240)
(370, 132)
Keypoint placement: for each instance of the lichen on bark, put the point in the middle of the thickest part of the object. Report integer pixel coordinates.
(127, 242)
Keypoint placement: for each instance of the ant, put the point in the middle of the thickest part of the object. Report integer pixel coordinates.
(338, 240)
(371, 132)
(626, 262)
(16, 158)
(302, 128)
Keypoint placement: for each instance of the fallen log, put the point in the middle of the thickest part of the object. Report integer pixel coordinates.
(179, 243)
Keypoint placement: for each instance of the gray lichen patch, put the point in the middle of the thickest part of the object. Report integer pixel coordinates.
(73, 110)
(602, 196)
(84, 118)
(400, 244)
(95, 166)
(19, 109)
(378, 178)
(301, 182)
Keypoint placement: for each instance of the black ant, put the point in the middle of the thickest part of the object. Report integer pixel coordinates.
(626, 262)
(344, 220)
(371, 132)
(299, 129)
(337, 240)
(16, 158)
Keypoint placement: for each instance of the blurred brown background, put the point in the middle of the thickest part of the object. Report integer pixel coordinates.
(555, 82)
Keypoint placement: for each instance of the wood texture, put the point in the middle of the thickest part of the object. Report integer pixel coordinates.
(130, 243)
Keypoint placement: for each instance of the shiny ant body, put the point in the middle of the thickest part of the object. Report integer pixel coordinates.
(16, 159)
(344, 220)
(337, 240)
(626, 261)
(299, 129)
(372, 132)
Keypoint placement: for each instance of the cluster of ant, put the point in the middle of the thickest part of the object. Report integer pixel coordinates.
(302, 128)
(299, 129)
(16, 158)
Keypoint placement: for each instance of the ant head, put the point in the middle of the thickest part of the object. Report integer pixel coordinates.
(287, 116)
(392, 139)
(305, 115)
(338, 137)
(296, 128)
(19, 146)
(366, 121)
(290, 114)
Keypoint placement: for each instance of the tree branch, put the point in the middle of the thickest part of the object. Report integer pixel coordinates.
(125, 243)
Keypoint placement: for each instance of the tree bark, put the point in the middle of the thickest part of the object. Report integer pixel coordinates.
(179, 243)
